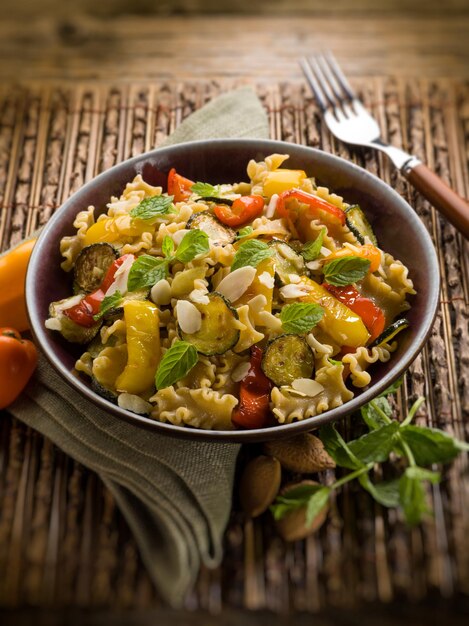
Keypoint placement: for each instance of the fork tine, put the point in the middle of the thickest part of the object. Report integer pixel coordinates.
(330, 77)
(313, 83)
(322, 80)
(339, 75)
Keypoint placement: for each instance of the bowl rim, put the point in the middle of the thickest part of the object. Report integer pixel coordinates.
(236, 436)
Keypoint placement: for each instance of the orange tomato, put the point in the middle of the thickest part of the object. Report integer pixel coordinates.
(13, 266)
(18, 360)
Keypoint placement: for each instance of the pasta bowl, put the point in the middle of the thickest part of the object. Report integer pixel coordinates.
(396, 225)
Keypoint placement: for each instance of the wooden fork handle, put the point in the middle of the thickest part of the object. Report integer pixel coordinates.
(444, 199)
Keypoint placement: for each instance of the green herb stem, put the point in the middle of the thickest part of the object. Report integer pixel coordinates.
(407, 451)
(378, 410)
(352, 476)
(413, 410)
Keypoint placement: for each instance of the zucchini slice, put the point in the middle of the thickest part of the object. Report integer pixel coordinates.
(217, 232)
(104, 392)
(286, 261)
(216, 200)
(390, 332)
(218, 332)
(359, 225)
(91, 266)
(68, 328)
(287, 358)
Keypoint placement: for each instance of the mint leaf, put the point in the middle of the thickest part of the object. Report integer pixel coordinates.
(108, 303)
(294, 499)
(251, 253)
(175, 364)
(168, 246)
(146, 271)
(346, 270)
(300, 317)
(412, 498)
(316, 504)
(385, 492)
(431, 445)
(338, 449)
(311, 249)
(193, 243)
(375, 446)
(244, 232)
(374, 413)
(205, 190)
(149, 208)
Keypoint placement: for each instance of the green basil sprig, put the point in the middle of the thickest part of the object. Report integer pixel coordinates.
(300, 317)
(205, 190)
(251, 253)
(108, 303)
(419, 445)
(151, 208)
(311, 249)
(177, 361)
(147, 270)
(346, 270)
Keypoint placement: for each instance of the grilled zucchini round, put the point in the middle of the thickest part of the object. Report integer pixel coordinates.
(287, 358)
(390, 332)
(359, 225)
(91, 266)
(218, 332)
(208, 223)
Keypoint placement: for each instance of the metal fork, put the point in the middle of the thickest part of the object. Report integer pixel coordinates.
(349, 121)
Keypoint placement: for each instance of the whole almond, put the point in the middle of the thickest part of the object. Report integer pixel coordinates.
(293, 525)
(259, 484)
(303, 454)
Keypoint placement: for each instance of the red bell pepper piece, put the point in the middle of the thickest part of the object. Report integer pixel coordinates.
(178, 186)
(317, 206)
(243, 210)
(372, 315)
(83, 312)
(253, 408)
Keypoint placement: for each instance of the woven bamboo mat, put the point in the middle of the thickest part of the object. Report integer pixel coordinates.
(62, 539)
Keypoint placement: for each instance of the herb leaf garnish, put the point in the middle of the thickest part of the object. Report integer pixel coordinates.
(420, 446)
(151, 208)
(168, 246)
(300, 317)
(193, 243)
(177, 361)
(311, 249)
(244, 232)
(251, 253)
(346, 270)
(205, 190)
(108, 303)
(146, 271)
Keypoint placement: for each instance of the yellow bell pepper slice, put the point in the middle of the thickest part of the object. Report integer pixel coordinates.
(143, 347)
(257, 288)
(111, 228)
(344, 326)
(282, 180)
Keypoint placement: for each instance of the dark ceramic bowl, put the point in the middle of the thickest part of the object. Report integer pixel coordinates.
(397, 226)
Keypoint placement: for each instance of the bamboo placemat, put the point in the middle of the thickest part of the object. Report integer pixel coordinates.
(62, 539)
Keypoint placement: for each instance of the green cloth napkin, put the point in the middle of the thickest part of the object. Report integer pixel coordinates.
(174, 494)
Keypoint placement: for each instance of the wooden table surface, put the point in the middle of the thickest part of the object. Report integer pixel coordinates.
(175, 44)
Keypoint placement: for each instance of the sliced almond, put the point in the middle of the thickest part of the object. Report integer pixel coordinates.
(199, 296)
(325, 251)
(258, 303)
(303, 454)
(136, 404)
(240, 372)
(293, 291)
(161, 292)
(235, 284)
(294, 278)
(179, 235)
(189, 317)
(307, 386)
(292, 526)
(259, 485)
(272, 206)
(267, 280)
